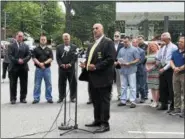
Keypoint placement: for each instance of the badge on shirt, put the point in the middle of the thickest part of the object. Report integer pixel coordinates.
(99, 55)
(47, 52)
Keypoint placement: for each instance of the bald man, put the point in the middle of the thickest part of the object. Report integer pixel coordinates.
(100, 68)
(66, 59)
(19, 55)
(166, 73)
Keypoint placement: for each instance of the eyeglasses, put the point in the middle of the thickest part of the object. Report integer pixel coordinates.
(117, 36)
(20, 36)
(96, 28)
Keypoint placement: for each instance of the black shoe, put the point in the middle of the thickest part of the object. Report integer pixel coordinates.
(162, 107)
(142, 101)
(132, 105)
(13, 102)
(35, 102)
(73, 100)
(174, 112)
(102, 129)
(23, 101)
(89, 102)
(60, 100)
(50, 101)
(170, 111)
(181, 115)
(122, 104)
(128, 101)
(93, 124)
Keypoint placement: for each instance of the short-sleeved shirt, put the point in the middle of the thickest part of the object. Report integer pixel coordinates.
(179, 59)
(129, 54)
(42, 55)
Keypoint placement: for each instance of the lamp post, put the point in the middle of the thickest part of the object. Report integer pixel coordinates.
(4, 25)
(72, 13)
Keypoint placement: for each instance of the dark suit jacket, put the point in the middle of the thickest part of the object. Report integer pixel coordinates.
(15, 52)
(69, 57)
(119, 47)
(141, 63)
(103, 58)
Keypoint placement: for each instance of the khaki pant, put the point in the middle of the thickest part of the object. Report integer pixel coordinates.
(178, 87)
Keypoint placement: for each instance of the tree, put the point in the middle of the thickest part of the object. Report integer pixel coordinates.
(52, 19)
(35, 18)
(88, 13)
(23, 16)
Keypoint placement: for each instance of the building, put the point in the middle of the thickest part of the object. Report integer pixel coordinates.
(150, 18)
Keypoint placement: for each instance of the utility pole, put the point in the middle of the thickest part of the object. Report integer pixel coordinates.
(41, 17)
(5, 26)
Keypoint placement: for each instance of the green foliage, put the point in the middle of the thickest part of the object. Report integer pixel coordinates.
(23, 16)
(35, 18)
(88, 13)
(77, 42)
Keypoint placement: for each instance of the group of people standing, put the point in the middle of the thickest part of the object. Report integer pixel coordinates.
(158, 66)
(18, 55)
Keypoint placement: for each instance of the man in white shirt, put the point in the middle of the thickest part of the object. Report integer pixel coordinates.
(166, 72)
(117, 46)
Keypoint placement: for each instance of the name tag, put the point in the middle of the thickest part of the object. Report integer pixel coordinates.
(99, 55)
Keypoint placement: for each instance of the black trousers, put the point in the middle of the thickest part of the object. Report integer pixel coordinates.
(89, 93)
(166, 88)
(101, 103)
(63, 77)
(22, 74)
(5, 69)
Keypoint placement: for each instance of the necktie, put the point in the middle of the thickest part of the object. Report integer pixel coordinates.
(165, 52)
(91, 54)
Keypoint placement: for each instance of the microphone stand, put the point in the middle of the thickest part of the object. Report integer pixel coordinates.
(75, 127)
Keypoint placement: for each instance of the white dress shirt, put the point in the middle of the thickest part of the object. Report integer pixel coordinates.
(165, 60)
(116, 46)
(99, 39)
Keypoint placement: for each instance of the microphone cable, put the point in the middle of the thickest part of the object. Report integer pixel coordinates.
(56, 118)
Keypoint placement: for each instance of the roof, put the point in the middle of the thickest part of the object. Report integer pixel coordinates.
(135, 12)
(150, 7)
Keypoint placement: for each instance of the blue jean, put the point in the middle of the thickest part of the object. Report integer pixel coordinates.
(141, 85)
(146, 85)
(131, 80)
(39, 74)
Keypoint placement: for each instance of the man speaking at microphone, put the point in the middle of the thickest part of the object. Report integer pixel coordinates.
(100, 70)
(66, 58)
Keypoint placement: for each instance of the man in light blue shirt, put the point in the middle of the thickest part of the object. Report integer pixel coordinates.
(166, 72)
(127, 58)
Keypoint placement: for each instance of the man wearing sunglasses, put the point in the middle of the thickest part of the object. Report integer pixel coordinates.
(117, 46)
(19, 56)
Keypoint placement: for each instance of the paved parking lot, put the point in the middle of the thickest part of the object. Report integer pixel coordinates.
(141, 122)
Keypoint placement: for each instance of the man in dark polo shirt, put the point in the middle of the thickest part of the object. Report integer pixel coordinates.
(42, 57)
(178, 66)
